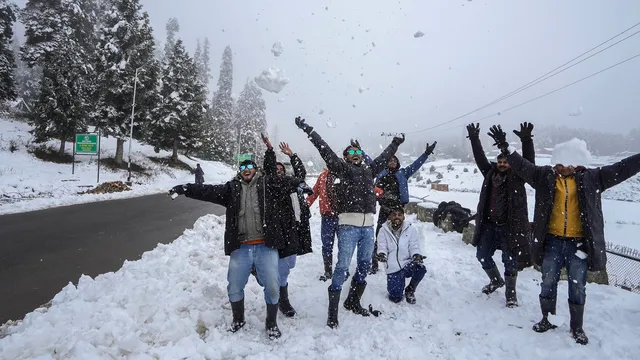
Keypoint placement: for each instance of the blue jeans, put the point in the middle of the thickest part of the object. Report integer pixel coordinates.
(348, 238)
(265, 261)
(560, 251)
(492, 238)
(284, 268)
(395, 281)
(328, 232)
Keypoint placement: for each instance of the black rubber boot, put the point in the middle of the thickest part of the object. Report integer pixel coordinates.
(334, 304)
(510, 291)
(328, 271)
(410, 292)
(352, 303)
(547, 306)
(284, 304)
(237, 308)
(577, 314)
(496, 281)
(271, 325)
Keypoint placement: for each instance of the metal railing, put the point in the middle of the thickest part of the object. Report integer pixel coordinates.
(623, 267)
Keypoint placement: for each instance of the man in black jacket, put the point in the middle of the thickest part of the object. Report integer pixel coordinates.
(569, 225)
(253, 232)
(356, 208)
(502, 220)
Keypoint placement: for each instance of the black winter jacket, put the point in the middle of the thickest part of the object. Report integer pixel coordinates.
(356, 189)
(270, 187)
(591, 183)
(519, 230)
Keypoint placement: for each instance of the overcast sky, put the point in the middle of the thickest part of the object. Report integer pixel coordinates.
(472, 53)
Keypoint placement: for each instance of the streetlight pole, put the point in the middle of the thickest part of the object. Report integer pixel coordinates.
(133, 109)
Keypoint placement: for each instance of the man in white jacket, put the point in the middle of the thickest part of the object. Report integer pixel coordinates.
(399, 248)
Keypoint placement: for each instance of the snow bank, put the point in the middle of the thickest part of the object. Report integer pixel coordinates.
(272, 79)
(172, 304)
(573, 152)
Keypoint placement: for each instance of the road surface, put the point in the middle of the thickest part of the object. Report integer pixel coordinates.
(42, 251)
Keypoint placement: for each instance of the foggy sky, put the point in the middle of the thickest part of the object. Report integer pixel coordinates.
(472, 53)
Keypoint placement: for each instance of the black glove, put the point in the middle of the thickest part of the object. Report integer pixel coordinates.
(430, 148)
(382, 257)
(305, 189)
(473, 130)
(418, 259)
(525, 131)
(300, 123)
(499, 136)
(398, 140)
(178, 189)
(355, 143)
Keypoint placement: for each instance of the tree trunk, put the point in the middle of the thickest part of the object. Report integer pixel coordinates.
(119, 151)
(62, 146)
(174, 156)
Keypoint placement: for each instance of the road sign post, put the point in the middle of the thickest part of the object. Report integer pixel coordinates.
(87, 144)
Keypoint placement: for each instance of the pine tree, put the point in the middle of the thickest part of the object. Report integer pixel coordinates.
(172, 28)
(251, 120)
(205, 61)
(126, 48)
(220, 131)
(178, 119)
(197, 57)
(8, 12)
(59, 40)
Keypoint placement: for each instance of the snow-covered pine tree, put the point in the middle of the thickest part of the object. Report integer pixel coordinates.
(251, 120)
(220, 131)
(178, 120)
(197, 57)
(126, 44)
(172, 28)
(59, 40)
(27, 78)
(205, 61)
(8, 12)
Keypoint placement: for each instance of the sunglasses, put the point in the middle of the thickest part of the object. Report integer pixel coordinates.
(351, 152)
(243, 167)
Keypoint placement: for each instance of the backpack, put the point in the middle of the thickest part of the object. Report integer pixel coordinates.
(460, 216)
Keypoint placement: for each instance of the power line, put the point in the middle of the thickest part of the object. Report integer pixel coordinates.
(546, 94)
(540, 78)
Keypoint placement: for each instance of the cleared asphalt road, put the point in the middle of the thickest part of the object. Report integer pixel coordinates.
(42, 251)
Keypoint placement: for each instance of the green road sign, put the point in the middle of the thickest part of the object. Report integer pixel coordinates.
(243, 157)
(87, 144)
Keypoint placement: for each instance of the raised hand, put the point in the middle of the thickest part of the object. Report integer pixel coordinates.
(355, 143)
(430, 148)
(398, 140)
(284, 147)
(266, 141)
(525, 131)
(499, 136)
(302, 124)
(473, 130)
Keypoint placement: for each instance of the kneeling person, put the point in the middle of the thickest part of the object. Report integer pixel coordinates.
(399, 248)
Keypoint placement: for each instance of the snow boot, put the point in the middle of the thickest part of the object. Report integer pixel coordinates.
(496, 281)
(334, 304)
(510, 291)
(352, 303)
(328, 272)
(577, 313)
(271, 325)
(410, 292)
(547, 306)
(284, 304)
(237, 308)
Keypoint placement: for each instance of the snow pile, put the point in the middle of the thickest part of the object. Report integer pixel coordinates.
(172, 304)
(277, 48)
(28, 183)
(573, 152)
(272, 79)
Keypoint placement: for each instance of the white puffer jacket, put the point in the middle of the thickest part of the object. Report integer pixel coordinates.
(399, 251)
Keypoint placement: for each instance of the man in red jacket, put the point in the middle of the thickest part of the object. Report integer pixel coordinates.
(325, 189)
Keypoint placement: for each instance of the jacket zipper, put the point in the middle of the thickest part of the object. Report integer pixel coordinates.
(566, 205)
(397, 241)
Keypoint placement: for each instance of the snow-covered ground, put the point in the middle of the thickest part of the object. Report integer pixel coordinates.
(172, 304)
(28, 183)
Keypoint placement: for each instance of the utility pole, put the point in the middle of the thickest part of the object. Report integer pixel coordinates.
(133, 109)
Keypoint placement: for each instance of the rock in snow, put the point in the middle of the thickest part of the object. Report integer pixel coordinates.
(277, 48)
(418, 34)
(272, 80)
